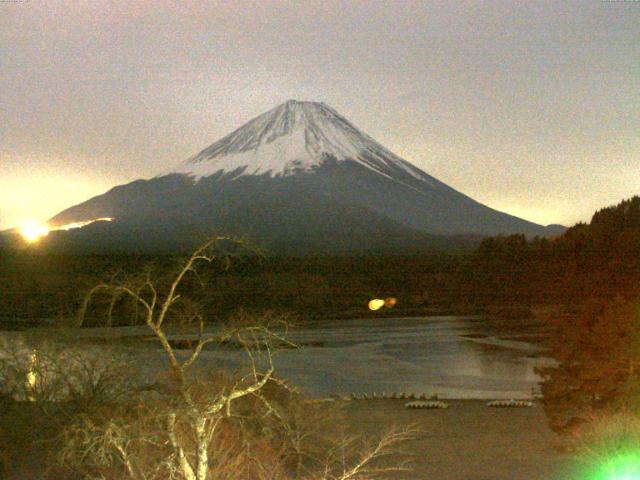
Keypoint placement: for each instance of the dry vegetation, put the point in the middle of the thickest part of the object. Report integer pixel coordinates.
(105, 421)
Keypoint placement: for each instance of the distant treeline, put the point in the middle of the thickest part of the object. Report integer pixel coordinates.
(599, 259)
(38, 287)
(595, 260)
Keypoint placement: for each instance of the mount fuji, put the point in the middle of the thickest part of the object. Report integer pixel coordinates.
(298, 178)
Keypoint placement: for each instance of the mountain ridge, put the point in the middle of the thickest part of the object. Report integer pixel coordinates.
(296, 162)
(318, 132)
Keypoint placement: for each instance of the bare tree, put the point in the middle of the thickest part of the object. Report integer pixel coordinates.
(55, 370)
(204, 416)
(188, 415)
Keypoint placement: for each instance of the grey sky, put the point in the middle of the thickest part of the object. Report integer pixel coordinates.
(530, 107)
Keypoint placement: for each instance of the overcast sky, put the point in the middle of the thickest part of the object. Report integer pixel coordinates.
(532, 108)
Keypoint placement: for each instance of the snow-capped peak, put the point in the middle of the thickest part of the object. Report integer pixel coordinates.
(293, 137)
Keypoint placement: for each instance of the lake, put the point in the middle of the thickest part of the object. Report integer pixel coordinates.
(449, 356)
(453, 357)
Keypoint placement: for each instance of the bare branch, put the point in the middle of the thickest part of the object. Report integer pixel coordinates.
(185, 466)
(199, 254)
(194, 355)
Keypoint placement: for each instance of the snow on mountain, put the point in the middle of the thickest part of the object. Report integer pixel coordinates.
(295, 137)
(298, 178)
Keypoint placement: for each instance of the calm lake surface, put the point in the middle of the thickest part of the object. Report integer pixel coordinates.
(454, 357)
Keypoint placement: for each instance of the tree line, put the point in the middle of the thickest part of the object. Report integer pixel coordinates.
(595, 260)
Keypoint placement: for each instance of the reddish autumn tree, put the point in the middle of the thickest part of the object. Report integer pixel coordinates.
(597, 350)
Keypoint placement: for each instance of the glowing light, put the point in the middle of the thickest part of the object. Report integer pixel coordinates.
(620, 467)
(71, 226)
(32, 378)
(33, 231)
(390, 302)
(376, 304)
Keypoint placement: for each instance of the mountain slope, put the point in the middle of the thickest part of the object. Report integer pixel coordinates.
(298, 176)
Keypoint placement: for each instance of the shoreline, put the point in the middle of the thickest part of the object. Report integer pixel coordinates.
(468, 440)
(504, 316)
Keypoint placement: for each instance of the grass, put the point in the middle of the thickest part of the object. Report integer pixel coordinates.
(468, 440)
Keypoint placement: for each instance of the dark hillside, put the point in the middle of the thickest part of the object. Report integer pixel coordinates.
(598, 259)
(595, 260)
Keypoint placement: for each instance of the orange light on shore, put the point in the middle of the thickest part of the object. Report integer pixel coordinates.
(376, 304)
(390, 302)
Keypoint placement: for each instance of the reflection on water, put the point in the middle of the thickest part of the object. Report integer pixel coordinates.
(420, 355)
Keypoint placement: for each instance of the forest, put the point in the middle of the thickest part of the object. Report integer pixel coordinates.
(110, 421)
(599, 259)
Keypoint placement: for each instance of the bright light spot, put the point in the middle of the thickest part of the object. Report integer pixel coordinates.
(390, 302)
(376, 304)
(71, 226)
(32, 378)
(620, 467)
(33, 231)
